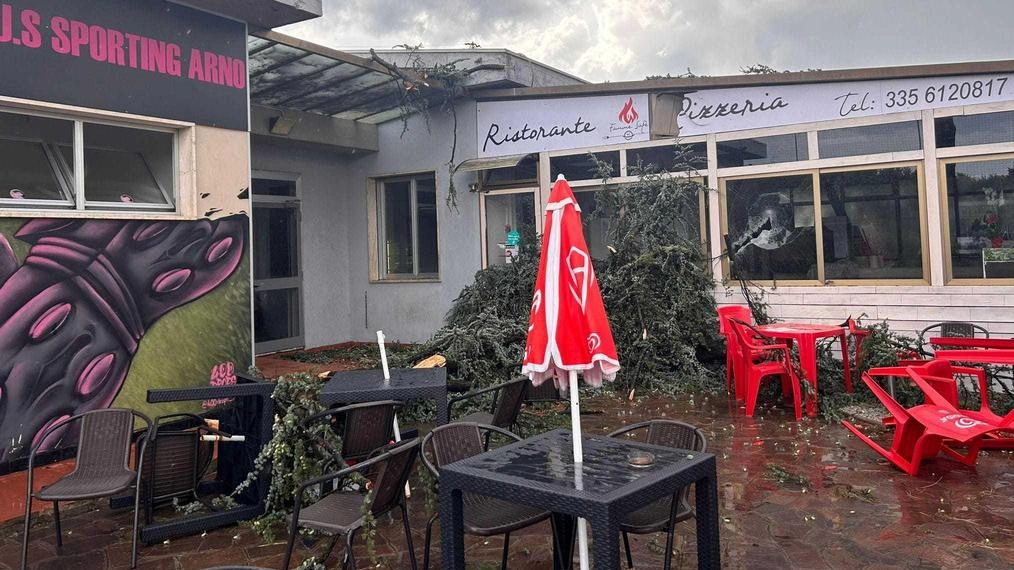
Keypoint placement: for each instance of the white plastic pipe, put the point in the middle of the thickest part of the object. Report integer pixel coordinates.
(575, 427)
(383, 355)
(387, 378)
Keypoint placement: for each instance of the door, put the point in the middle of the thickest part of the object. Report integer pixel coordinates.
(277, 275)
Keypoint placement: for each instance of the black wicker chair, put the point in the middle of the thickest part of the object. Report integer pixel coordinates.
(175, 458)
(545, 392)
(484, 516)
(503, 413)
(341, 512)
(662, 515)
(101, 469)
(365, 428)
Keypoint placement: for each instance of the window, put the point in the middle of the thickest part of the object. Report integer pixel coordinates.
(871, 139)
(762, 150)
(510, 224)
(868, 225)
(596, 223)
(668, 157)
(124, 168)
(582, 167)
(965, 130)
(771, 234)
(407, 227)
(980, 214)
(871, 224)
(31, 172)
(525, 173)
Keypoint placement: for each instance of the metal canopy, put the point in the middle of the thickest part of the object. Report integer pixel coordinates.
(474, 164)
(289, 73)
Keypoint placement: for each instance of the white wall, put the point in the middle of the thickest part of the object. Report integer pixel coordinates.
(413, 311)
(324, 241)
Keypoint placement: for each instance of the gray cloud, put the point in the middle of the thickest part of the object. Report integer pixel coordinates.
(615, 40)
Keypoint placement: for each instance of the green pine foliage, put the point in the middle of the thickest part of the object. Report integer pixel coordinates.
(656, 285)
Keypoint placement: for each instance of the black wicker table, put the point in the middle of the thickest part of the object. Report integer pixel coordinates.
(540, 472)
(357, 386)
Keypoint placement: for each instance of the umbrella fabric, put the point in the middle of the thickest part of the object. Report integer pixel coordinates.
(568, 329)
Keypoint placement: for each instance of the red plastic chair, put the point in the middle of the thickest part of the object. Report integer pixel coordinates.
(925, 430)
(759, 360)
(940, 374)
(732, 351)
(858, 335)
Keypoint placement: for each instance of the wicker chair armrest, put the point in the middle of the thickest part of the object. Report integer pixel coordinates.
(474, 393)
(338, 475)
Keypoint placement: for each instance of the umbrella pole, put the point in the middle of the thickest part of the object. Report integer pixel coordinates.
(575, 426)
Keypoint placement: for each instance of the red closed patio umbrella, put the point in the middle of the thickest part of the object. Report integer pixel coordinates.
(568, 331)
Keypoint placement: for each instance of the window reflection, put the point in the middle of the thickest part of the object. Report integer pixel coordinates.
(870, 139)
(975, 129)
(583, 166)
(762, 150)
(981, 213)
(871, 226)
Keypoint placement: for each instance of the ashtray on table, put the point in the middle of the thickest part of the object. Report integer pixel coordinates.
(640, 459)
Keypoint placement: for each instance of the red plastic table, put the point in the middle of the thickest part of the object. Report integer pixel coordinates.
(978, 356)
(806, 336)
(961, 342)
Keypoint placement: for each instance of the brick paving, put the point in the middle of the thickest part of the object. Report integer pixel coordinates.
(820, 516)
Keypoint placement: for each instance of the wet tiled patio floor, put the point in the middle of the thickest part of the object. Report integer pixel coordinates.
(846, 509)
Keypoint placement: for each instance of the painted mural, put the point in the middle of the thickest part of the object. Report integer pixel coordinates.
(78, 300)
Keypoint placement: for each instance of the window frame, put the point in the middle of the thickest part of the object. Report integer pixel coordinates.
(375, 206)
(815, 172)
(945, 216)
(183, 195)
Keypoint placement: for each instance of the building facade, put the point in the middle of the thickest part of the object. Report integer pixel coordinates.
(882, 192)
(124, 203)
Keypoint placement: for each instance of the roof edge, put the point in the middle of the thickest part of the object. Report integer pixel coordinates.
(505, 51)
(332, 53)
(690, 84)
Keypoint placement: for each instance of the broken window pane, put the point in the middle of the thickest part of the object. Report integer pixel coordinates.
(771, 235)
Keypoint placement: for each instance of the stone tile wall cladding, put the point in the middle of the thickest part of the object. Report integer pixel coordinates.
(907, 309)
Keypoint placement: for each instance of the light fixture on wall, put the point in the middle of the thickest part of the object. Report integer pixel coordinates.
(281, 125)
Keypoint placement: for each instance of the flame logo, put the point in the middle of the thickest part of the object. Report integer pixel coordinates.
(628, 114)
(594, 341)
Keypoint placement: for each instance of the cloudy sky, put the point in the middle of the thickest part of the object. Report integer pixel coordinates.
(615, 40)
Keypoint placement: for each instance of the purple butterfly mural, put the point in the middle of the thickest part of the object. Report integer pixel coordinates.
(72, 316)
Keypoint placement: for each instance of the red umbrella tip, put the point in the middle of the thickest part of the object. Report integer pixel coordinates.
(561, 177)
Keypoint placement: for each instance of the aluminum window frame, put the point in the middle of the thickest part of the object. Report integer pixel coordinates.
(71, 175)
(378, 221)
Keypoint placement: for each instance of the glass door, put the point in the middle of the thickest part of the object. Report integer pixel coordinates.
(278, 281)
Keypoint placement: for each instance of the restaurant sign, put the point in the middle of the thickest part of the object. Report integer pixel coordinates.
(537, 125)
(151, 58)
(741, 108)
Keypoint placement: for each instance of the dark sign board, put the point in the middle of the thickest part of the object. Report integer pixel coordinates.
(146, 57)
